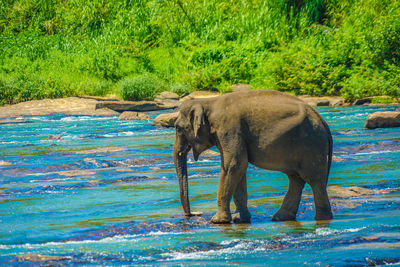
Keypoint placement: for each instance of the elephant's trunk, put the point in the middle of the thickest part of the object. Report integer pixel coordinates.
(181, 149)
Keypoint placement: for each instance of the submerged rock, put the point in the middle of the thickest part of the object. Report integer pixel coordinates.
(353, 191)
(40, 258)
(133, 116)
(53, 137)
(110, 149)
(75, 173)
(383, 119)
(166, 119)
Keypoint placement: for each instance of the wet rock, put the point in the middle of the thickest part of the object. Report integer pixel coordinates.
(323, 101)
(200, 94)
(383, 119)
(353, 191)
(75, 173)
(111, 149)
(92, 161)
(11, 121)
(239, 87)
(139, 106)
(53, 137)
(133, 116)
(38, 258)
(210, 153)
(166, 119)
(377, 147)
(69, 105)
(362, 101)
(5, 163)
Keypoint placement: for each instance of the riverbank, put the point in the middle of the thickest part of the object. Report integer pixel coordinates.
(53, 49)
(103, 106)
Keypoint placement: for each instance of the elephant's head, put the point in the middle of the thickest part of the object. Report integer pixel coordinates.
(192, 132)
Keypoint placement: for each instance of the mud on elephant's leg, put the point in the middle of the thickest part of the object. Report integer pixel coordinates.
(233, 169)
(291, 202)
(242, 214)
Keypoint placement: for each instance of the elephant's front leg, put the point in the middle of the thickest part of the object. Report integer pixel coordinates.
(242, 214)
(233, 169)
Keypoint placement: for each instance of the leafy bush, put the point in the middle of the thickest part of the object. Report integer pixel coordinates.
(144, 86)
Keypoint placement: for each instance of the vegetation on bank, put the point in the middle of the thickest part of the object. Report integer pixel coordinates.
(134, 48)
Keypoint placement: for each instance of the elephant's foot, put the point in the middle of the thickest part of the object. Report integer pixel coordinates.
(284, 215)
(221, 218)
(322, 216)
(241, 217)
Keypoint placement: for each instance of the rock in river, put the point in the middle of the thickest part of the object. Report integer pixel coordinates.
(166, 119)
(140, 106)
(352, 191)
(133, 116)
(40, 258)
(383, 119)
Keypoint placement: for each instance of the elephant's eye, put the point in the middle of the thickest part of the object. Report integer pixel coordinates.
(179, 129)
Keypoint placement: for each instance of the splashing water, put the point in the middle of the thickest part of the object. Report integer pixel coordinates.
(86, 190)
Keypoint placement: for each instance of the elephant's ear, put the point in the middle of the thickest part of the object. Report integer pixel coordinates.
(198, 119)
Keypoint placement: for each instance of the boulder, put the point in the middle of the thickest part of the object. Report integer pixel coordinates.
(383, 119)
(133, 116)
(362, 101)
(168, 99)
(166, 119)
(200, 94)
(239, 87)
(352, 191)
(139, 106)
(166, 96)
(323, 101)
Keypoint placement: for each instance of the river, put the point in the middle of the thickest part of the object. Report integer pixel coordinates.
(65, 200)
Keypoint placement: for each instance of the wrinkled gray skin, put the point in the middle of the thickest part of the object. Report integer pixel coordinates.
(269, 129)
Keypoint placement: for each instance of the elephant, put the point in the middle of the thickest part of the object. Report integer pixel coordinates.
(269, 129)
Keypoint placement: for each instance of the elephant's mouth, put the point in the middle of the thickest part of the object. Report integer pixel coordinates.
(185, 150)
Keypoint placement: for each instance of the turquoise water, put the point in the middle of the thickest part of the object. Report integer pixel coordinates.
(125, 209)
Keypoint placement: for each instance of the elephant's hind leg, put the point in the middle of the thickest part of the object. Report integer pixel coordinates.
(322, 206)
(242, 214)
(291, 202)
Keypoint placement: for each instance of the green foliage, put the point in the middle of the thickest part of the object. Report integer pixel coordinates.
(145, 86)
(55, 48)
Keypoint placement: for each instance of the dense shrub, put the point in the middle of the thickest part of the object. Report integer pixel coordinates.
(145, 86)
(54, 48)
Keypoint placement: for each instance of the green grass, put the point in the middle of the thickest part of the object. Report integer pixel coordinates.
(54, 48)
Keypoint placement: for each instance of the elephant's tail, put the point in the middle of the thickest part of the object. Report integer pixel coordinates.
(330, 152)
(330, 142)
